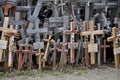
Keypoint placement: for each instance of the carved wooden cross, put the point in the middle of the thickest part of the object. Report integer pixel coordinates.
(104, 48)
(92, 32)
(115, 46)
(72, 33)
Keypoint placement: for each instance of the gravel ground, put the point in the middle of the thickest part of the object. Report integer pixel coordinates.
(100, 73)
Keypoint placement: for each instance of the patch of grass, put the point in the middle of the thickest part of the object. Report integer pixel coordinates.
(80, 72)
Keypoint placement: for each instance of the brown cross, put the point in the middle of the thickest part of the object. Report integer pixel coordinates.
(113, 38)
(104, 48)
(72, 33)
(55, 49)
(64, 51)
(25, 55)
(92, 32)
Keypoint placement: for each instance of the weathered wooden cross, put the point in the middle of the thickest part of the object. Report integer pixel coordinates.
(92, 47)
(64, 51)
(49, 40)
(4, 30)
(104, 50)
(25, 53)
(72, 45)
(40, 58)
(55, 49)
(115, 46)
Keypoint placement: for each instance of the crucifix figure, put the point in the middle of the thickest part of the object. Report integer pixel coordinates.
(72, 33)
(104, 50)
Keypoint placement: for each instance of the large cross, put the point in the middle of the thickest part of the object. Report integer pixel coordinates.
(92, 32)
(4, 30)
(104, 48)
(115, 45)
(72, 33)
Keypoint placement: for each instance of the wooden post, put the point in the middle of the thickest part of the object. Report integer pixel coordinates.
(91, 24)
(104, 50)
(72, 33)
(85, 23)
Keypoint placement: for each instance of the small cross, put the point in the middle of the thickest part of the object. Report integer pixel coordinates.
(104, 48)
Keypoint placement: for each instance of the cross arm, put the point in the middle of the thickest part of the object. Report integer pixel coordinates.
(8, 30)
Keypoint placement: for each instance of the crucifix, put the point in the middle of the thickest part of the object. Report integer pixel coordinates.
(104, 50)
(72, 43)
(115, 46)
(92, 32)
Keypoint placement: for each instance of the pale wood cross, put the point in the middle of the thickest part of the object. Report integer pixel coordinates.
(104, 48)
(92, 32)
(39, 54)
(72, 33)
(115, 45)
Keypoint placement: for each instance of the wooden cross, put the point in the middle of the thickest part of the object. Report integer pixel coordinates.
(55, 49)
(72, 33)
(40, 58)
(104, 48)
(25, 55)
(113, 38)
(64, 51)
(85, 23)
(49, 40)
(92, 33)
(4, 30)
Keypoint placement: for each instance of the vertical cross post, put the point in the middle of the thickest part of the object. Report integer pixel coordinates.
(72, 33)
(104, 50)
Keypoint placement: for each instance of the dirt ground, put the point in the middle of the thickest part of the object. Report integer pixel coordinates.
(96, 73)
